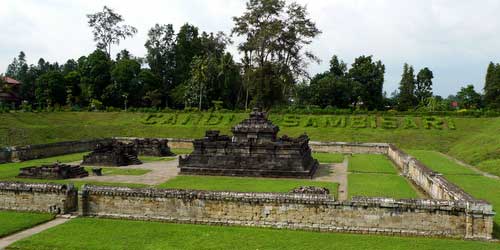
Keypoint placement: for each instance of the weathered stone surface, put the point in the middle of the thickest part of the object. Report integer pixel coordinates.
(254, 150)
(310, 190)
(114, 153)
(53, 198)
(56, 171)
(148, 146)
(456, 219)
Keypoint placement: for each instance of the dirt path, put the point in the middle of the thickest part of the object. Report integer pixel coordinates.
(161, 171)
(6, 241)
(470, 167)
(336, 172)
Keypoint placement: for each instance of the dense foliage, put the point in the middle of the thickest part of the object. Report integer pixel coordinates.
(193, 69)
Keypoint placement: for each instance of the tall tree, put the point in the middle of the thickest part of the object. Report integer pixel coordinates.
(368, 82)
(95, 75)
(126, 87)
(106, 29)
(188, 45)
(468, 98)
(273, 51)
(423, 88)
(492, 86)
(50, 89)
(406, 97)
(161, 56)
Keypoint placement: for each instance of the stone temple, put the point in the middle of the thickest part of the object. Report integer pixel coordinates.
(253, 150)
(113, 153)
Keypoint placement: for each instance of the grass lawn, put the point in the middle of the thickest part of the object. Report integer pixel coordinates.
(9, 171)
(243, 184)
(376, 176)
(328, 157)
(369, 163)
(439, 163)
(490, 166)
(146, 159)
(12, 222)
(380, 185)
(104, 234)
(479, 186)
(181, 151)
(120, 171)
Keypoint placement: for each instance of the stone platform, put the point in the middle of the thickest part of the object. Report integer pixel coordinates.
(113, 153)
(55, 171)
(253, 150)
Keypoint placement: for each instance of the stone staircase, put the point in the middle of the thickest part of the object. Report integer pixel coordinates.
(132, 159)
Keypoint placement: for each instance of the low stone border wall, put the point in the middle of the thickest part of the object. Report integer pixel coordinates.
(455, 219)
(433, 183)
(52, 198)
(349, 148)
(30, 152)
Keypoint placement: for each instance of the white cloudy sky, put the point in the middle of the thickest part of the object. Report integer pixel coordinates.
(454, 38)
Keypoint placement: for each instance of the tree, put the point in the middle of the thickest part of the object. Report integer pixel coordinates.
(125, 87)
(468, 98)
(73, 90)
(337, 67)
(406, 98)
(368, 81)
(188, 45)
(492, 86)
(161, 57)
(423, 88)
(95, 75)
(106, 29)
(273, 50)
(50, 89)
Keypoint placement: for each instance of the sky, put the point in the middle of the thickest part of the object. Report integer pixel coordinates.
(456, 39)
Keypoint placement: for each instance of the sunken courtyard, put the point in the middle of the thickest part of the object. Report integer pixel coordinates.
(253, 150)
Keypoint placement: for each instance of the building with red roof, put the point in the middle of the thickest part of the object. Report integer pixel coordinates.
(10, 92)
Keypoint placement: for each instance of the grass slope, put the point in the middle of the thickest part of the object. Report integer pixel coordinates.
(474, 140)
(479, 186)
(103, 234)
(12, 222)
(243, 184)
(376, 176)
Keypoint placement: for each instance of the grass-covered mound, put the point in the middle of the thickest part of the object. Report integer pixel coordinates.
(376, 176)
(104, 234)
(12, 222)
(473, 140)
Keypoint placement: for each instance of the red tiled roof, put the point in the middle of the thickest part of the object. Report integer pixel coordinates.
(11, 81)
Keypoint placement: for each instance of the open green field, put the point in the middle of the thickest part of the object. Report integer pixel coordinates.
(103, 234)
(328, 157)
(481, 187)
(12, 222)
(376, 176)
(243, 184)
(472, 140)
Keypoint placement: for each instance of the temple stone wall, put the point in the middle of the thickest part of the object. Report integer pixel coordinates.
(349, 148)
(24, 153)
(31, 197)
(453, 219)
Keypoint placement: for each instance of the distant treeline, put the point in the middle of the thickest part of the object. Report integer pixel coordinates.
(193, 69)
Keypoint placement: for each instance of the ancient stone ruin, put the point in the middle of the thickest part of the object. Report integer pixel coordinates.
(254, 150)
(56, 171)
(152, 147)
(113, 153)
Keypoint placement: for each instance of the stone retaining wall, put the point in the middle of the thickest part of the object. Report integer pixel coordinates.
(433, 183)
(53, 198)
(349, 148)
(455, 219)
